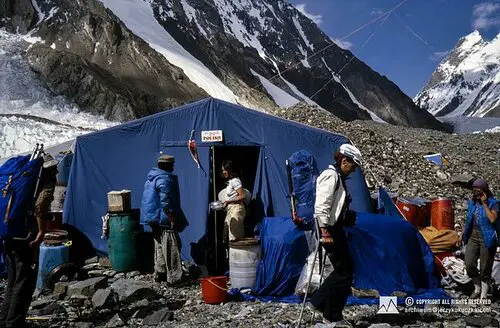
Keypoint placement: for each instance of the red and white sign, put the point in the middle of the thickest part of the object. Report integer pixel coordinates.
(211, 136)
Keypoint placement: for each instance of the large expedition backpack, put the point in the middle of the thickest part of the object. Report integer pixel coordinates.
(18, 179)
(304, 174)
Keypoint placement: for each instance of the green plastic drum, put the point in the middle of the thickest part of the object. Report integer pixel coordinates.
(124, 231)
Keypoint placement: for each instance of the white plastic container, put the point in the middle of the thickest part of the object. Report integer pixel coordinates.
(216, 206)
(244, 257)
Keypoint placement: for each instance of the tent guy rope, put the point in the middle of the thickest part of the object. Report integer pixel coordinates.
(333, 43)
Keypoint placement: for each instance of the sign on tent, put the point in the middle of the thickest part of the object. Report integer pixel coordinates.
(211, 136)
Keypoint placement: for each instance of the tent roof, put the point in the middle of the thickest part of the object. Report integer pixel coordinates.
(212, 104)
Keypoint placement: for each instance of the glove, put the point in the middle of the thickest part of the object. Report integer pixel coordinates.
(326, 238)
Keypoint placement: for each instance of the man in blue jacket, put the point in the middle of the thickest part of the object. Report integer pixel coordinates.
(159, 209)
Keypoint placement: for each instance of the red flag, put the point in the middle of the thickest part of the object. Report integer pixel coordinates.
(192, 149)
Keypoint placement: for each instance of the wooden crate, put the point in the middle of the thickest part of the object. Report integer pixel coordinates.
(119, 201)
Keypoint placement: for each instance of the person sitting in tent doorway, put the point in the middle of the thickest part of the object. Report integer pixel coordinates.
(480, 236)
(160, 209)
(234, 197)
(331, 211)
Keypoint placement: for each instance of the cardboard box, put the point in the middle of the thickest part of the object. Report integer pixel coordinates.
(119, 201)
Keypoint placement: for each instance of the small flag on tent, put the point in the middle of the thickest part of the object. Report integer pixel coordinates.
(437, 159)
(192, 149)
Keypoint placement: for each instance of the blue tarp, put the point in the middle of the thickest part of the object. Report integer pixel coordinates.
(284, 252)
(388, 253)
(120, 158)
(386, 205)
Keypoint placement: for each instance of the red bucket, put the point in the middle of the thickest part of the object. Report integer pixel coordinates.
(214, 289)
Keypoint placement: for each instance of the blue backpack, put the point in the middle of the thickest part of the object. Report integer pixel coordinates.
(18, 178)
(304, 175)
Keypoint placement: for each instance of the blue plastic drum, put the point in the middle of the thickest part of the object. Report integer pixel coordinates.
(50, 258)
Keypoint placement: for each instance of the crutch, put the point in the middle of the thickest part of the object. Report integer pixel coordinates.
(310, 275)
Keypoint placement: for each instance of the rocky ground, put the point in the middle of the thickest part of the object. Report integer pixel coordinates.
(393, 157)
(108, 299)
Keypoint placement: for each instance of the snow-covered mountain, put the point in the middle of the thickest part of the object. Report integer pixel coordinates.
(29, 113)
(467, 81)
(128, 59)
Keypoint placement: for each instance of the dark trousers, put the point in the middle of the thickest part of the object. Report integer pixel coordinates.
(476, 250)
(21, 282)
(332, 295)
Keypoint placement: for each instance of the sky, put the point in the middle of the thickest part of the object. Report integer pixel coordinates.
(407, 45)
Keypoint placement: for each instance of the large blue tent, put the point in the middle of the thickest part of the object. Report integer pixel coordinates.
(120, 158)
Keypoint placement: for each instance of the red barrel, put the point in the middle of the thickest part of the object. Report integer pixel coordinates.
(442, 215)
(410, 210)
(424, 212)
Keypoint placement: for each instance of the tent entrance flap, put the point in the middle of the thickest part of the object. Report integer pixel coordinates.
(245, 161)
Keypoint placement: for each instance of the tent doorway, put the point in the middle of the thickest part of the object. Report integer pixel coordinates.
(245, 161)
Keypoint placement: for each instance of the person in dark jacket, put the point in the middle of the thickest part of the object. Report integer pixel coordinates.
(480, 236)
(159, 209)
(21, 253)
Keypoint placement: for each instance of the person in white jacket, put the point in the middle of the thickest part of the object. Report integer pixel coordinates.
(331, 210)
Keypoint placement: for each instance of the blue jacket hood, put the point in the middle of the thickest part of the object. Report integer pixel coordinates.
(155, 171)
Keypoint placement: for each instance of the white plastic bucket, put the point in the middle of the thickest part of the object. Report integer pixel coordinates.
(244, 256)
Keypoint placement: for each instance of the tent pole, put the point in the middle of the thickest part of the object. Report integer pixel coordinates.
(215, 212)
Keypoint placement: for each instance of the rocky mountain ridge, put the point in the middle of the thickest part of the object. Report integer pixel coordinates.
(172, 52)
(467, 81)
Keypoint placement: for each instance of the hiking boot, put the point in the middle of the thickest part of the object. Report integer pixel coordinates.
(316, 311)
(180, 283)
(477, 288)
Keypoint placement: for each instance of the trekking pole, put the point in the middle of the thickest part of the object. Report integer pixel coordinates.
(34, 152)
(215, 212)
(38, 151)
(310, 276)
(322, 272)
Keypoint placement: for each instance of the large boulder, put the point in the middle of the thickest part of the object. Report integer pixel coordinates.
(129, 290)
(87, 287)
(103, 298)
